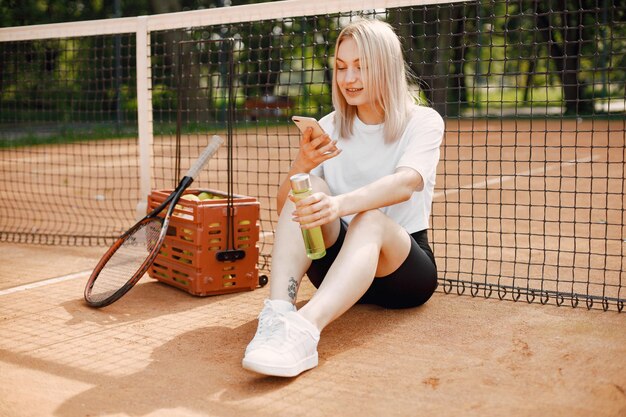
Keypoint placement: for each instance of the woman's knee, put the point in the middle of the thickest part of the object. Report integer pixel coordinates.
(369, 219)
(372, 223)
(319, 185)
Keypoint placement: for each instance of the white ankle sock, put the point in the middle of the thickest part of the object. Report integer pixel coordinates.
(283, 306)
(302, 321)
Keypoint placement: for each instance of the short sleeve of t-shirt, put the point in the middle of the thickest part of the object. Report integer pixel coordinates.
(423, 136)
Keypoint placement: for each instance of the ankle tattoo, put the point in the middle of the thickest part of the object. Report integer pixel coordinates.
(292, 289)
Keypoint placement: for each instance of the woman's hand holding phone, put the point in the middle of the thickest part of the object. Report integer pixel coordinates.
(315, 145)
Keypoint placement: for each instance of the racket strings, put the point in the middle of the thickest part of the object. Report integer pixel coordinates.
(126, 262)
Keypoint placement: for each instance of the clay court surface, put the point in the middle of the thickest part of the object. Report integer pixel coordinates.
(162, 352)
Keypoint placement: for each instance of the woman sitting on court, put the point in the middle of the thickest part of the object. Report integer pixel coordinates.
(373, 176)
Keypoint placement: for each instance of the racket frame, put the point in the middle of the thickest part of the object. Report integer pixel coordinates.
(171, 200)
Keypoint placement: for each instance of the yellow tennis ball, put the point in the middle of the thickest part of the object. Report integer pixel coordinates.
(190, 197)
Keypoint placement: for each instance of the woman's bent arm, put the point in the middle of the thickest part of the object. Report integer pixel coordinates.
(319, 208)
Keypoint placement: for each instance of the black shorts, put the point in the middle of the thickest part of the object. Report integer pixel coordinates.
(411, 285)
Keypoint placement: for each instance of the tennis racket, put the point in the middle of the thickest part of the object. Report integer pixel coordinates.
(128, 259)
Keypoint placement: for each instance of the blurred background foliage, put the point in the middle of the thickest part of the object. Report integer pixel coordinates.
(488, 57)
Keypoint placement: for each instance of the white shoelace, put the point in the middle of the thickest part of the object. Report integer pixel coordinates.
(280, 327)
(266, 316)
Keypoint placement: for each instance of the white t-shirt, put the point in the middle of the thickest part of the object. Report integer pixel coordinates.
(365, 157)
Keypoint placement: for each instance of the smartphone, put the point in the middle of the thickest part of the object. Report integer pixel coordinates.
(304, 122)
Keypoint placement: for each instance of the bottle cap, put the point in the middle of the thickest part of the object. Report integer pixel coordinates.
(300, 182)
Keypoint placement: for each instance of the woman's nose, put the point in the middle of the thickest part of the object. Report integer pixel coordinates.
(351, 75)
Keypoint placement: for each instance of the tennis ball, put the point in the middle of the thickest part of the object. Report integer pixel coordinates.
(190, 197)
(205, 196)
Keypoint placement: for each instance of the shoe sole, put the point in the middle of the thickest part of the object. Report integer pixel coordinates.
(284, 371)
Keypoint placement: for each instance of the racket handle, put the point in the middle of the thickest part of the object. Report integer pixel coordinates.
(214, 143)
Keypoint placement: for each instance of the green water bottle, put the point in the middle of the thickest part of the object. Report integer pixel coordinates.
(313, 238)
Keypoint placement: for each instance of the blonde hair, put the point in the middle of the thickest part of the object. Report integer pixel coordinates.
(384, 74)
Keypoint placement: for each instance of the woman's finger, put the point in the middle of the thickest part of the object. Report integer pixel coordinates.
(305, 138)
(321, 141)
(309, 219)
(317, 143)
(329, 155)
(309, 222)
(331, 144)
(328, 148)
(303, 204)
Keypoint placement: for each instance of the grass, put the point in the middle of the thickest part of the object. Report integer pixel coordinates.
(47, 134)
(44, 133)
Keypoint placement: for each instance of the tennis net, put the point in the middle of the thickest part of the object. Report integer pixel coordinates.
(530, 198)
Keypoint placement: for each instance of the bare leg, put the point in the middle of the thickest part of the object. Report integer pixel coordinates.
(286, 345)
(289, 260)
(374, 246)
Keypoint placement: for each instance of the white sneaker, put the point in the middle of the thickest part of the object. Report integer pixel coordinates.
(290, 349)
(271, 310)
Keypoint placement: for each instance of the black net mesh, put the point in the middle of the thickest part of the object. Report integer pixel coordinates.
(530, 191)
(68, 129)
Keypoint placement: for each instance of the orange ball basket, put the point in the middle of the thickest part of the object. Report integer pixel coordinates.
(196, 256)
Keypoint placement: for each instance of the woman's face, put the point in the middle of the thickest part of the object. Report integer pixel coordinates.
(350, 81)
(348, 69)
